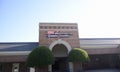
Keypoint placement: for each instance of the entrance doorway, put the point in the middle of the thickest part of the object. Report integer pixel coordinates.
(60, 53)
(61, 65)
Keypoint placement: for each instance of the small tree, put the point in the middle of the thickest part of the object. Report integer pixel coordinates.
(40, 57)
(78, 56)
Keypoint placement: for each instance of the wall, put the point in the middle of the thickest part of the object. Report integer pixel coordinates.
(62, 28)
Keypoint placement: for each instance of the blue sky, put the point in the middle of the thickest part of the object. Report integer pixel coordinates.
(19, 19)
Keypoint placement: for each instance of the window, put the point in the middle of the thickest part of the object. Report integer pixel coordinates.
(1, 68)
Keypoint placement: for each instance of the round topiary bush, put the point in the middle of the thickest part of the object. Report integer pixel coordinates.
(78, 55)
(40, 57)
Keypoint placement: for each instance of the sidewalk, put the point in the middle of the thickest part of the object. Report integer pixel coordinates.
(104, 70)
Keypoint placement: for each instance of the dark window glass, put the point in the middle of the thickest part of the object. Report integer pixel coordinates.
(1, 68)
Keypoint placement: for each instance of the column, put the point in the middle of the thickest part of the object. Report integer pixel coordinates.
(119, 60)
(32, 69)
(71, 66)
(50, 68)
(15, 67)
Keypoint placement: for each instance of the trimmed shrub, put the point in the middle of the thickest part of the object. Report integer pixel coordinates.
(40, 57)
(78, 55)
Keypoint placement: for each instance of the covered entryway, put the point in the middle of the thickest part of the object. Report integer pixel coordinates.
(60, 53)
(60, 49)
(61, 65)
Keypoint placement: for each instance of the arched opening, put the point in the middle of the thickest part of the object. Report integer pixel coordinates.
(61, 64)
(60, 53)
(60, 41)
(60, 50)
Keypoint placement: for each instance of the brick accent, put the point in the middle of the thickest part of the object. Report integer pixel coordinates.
(73, 39)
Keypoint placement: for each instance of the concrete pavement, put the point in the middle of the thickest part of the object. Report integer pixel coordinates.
(104, 70)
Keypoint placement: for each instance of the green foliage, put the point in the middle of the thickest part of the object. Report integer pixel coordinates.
(40, 57)
(78, 55)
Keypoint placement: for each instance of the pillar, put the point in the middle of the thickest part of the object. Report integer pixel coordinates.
(15, 67)
(32, 69)
(50, 68)
(70, 66)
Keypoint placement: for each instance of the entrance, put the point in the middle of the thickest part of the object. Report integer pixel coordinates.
(60, 53)
(61, 65)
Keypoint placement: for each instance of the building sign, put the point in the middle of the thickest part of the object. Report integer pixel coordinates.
(58, 34)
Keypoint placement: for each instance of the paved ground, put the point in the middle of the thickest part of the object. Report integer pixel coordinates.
(104, 70)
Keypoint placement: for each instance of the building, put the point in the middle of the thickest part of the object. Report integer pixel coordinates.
(61, 38)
